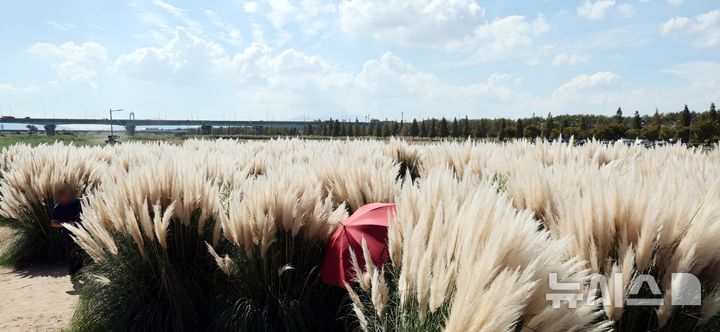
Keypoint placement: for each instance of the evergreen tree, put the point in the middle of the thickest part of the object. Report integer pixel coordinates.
(619, 116)
(685, 117)
(637, 123)
(336, 128)
(424, 130)
(465, 127)
(455, 131)
(712, 113)
(501, 130)
(519, 129)
(443, 130)
(549, 126)
(433, 130)
(388, 128)
(414, 130)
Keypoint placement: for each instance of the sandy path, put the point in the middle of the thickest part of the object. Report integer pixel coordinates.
(36, 298)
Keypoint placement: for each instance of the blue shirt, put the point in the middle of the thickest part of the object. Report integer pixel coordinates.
(67, 212)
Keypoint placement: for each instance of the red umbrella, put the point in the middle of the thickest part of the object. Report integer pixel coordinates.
(369, 222)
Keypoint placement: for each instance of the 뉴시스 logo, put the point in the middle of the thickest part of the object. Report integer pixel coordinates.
(685, 291)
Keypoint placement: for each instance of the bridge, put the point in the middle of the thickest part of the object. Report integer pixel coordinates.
(50, 124)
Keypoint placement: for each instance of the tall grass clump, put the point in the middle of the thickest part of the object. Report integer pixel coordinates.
(463, 259)
(639, 212)
(277, 227)
(28, 180)
(147, 233)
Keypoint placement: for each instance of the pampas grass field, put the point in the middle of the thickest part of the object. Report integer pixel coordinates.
(230, 235)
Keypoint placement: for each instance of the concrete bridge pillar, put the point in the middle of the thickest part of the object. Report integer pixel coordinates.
(130, 130)
(50, 130)
(206, 129)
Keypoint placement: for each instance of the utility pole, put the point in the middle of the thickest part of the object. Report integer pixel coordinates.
(111, 120)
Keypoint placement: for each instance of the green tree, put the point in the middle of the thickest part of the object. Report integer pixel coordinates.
(619, 116)
(704, 130)
(610, 131)
(465, 127)
(637, 121)
(519, 128)
(531, 131)
(549, 126)
(336, 128)
(666, 133)
(414, 130)
(481, 128)
(501, 130)
(455, 129)
(343, 129)
(685, 118)
(388, 128)
(443, 130)
(712, 113)
(32, 129)
(433, 129)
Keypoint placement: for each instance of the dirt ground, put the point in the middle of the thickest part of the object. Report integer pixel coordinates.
(36, 298)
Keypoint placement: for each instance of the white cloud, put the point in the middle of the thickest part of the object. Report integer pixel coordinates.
(508, 37)
(597, 88)
(703, 30)
(626, 10)
(280, 12)
(675, 2)
(77, 62)
(570, 59)
(293, 83)
(434, 23)
(186, 59)
(595, 10)
(457, 25)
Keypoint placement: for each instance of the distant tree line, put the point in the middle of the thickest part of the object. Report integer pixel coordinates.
(685, 125)
(699, 127)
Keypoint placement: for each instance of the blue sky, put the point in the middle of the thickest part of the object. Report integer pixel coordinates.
(289, 60)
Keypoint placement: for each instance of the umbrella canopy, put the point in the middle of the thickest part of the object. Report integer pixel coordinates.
(369, 222)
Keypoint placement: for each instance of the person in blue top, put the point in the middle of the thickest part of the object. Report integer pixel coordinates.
(67, 209)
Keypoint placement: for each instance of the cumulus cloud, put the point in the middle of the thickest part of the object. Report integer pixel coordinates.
(595, 10)
(455, 25)
(598, 88)
(74, 62)
(435, 23)
(703, 30)
(292, 82)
